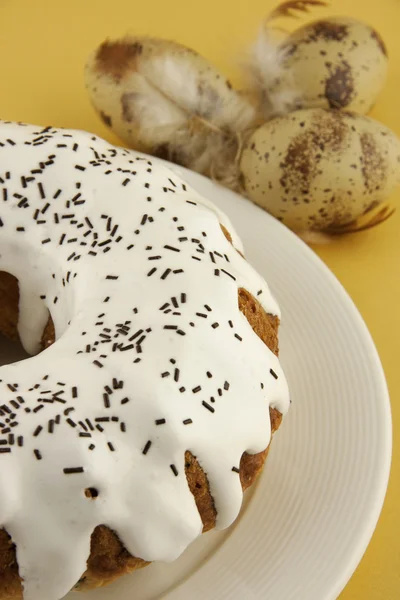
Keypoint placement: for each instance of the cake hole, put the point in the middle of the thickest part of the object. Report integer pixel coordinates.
(198, 486)
(11, 349)
(91, 493)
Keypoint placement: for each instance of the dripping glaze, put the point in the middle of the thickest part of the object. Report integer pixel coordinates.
(153, 356)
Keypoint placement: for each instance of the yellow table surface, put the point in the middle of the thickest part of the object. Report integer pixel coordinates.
(43, 47)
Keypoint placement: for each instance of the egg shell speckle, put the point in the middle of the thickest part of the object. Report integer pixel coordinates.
(334, 63)
(319, 169)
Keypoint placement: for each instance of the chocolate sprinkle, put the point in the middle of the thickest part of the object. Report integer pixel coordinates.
(274, 375)
(174, 470)
(73, 470)
(147, 447)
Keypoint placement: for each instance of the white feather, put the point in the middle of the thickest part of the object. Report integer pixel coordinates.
(199, 92)
(265, 69)
(170, 101)
(284, 101)
(267, 57)
(155, 115)
(182, 104)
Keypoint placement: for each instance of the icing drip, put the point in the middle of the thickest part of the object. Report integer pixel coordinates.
(153, 356)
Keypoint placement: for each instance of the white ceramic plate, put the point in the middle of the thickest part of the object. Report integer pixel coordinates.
(305, 527)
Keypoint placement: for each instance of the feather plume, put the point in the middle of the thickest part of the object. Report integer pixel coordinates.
(199, 93)
(264, 69)
(168, 100)
(361, 224)
(291, 7)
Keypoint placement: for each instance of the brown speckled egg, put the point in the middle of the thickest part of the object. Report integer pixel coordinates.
(317, 169)
(334, 63)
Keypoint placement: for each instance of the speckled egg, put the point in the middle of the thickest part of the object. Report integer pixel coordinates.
(317, 169)
(334, 63)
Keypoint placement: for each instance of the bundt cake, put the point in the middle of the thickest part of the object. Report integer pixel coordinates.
(154, 384)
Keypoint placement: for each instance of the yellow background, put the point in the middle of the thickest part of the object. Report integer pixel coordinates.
(43, 47)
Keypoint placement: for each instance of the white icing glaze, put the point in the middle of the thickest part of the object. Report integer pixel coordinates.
(84, 196)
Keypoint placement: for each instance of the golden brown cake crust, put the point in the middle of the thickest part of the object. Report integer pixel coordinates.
(108, 558)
